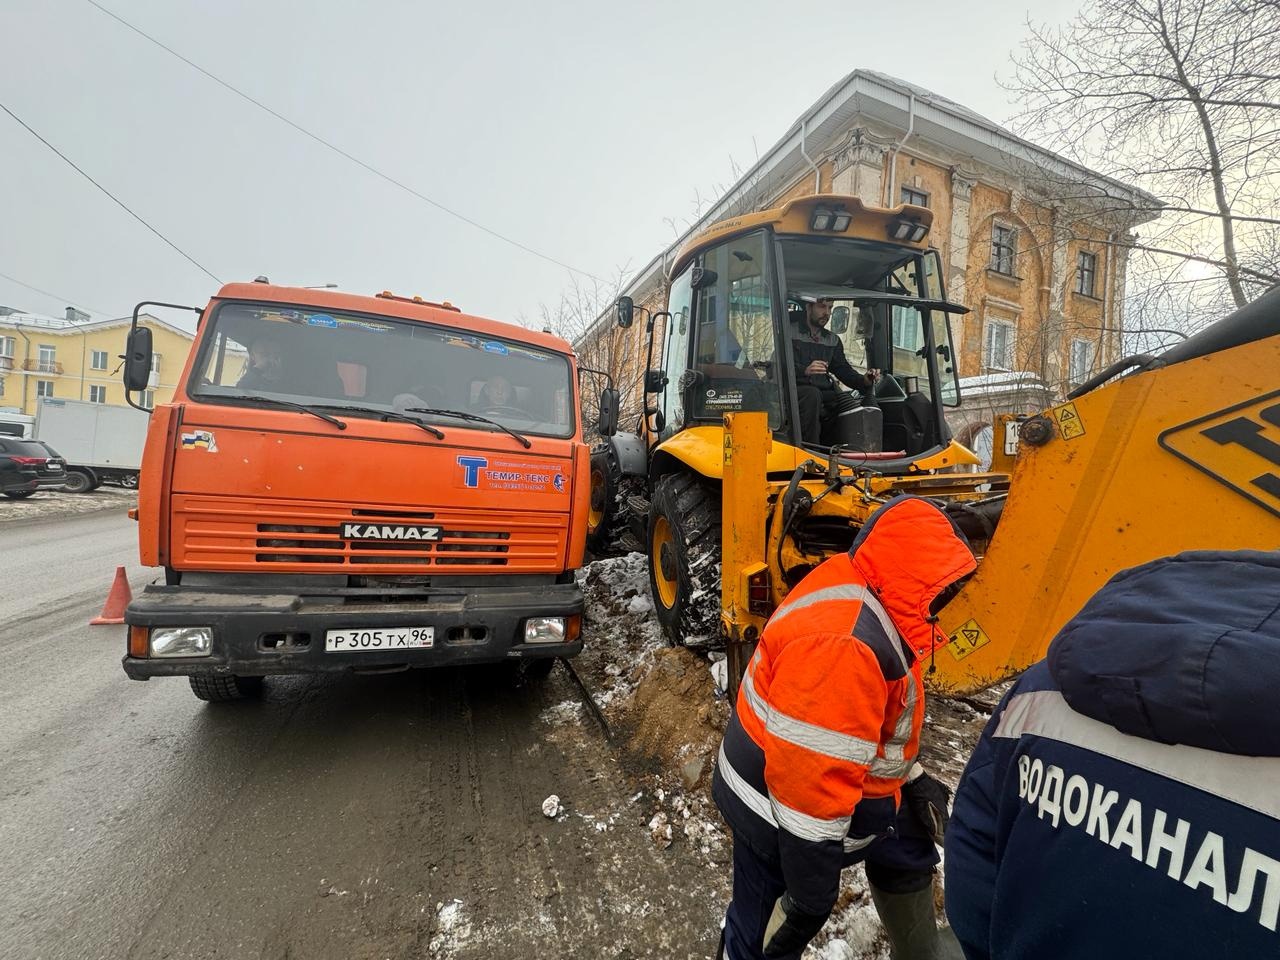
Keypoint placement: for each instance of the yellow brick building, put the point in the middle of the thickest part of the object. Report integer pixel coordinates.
(1033, 244)
(75, 358)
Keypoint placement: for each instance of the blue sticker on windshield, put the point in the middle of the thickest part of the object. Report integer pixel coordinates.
(322, 320)
(494, 346)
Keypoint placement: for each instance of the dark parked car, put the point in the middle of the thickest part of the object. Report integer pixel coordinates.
(27, 466)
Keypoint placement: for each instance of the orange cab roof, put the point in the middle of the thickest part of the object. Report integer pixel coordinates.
(391, 307)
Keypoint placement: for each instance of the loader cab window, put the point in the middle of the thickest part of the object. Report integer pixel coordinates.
(380, 364)
(675, 355)
(911, 347)
(735, 340)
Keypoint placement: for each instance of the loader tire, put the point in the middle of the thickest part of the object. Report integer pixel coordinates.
(608, 519)
(220, 689)
(684, 560)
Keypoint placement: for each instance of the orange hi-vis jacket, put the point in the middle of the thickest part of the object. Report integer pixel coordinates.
(830, 708)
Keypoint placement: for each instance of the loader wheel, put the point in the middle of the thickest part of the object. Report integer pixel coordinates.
(684, 560)
(220, 689)
(607, 519)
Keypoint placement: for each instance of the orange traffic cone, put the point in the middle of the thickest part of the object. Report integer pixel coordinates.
(117, 600)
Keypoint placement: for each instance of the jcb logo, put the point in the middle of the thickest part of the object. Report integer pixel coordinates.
(1239, 447)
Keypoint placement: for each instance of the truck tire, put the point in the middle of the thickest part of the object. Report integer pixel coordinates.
(684, 559)
(220, 689)
(78, 482)
(129, 481)
(608, 519)
(19, 494)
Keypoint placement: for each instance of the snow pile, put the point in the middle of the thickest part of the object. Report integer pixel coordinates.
(452, 928)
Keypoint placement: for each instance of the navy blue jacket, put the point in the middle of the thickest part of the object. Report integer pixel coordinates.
(1124, 800)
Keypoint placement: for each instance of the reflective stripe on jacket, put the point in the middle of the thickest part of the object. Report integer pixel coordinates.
(830, 708)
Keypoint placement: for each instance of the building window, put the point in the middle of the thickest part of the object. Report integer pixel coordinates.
(1086, 272)
(44, 388)
(155, 363)
(149, 399)
(1004, 248)
(99, 360)
(48, 358)
(1081, 361)
(6, 346)
(912, 195)
(97, 394)
(999, 345)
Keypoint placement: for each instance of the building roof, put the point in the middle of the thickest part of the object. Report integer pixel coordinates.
(870, 95)
(60, 325)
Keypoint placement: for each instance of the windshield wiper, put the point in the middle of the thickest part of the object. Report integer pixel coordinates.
(305, 408)
(389, 415)
(473, 417)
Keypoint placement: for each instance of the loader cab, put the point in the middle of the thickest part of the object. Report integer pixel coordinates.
(737, 300)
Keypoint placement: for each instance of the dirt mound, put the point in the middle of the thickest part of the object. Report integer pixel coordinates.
(674, 719)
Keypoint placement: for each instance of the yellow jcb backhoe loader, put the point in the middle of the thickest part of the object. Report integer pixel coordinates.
(733, 506)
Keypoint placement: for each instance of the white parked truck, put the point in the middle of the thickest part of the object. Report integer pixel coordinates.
(101, 444)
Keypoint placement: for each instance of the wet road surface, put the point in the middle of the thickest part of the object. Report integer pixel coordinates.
(352, 816)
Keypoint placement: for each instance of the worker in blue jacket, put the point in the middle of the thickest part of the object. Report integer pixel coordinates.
(1124, 800)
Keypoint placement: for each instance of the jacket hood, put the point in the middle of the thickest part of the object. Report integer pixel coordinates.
(908, 552)
(1181, 650)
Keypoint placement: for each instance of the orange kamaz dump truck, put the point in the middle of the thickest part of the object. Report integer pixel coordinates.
(352, 483)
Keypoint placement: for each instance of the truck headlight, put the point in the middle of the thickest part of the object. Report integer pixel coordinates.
(544, 630)
(181, 641)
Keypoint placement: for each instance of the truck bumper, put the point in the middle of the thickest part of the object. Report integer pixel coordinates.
(266, 634)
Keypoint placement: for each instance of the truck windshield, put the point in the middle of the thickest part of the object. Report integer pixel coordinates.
(838, 269)
(328, 359)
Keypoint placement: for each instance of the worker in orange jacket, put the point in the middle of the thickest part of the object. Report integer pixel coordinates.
(818, 767)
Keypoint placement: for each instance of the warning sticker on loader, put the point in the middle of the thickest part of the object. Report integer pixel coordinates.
(967, 639)
(1069, 423)
(1239, 447)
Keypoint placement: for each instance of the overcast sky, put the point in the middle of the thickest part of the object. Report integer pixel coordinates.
(573, 128)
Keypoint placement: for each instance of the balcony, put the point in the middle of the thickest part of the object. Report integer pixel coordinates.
(42, 366)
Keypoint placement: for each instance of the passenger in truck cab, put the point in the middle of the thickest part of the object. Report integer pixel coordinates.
(497, 393)
(265, 368)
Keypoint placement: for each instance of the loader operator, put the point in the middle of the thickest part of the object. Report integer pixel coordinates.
(819, 361)
(818, 767)
(1124, 799)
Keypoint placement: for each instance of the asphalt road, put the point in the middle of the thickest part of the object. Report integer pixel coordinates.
(347, 817)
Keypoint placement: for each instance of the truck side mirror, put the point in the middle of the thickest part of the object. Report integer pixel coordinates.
(137, 359)
(839, 320)
(608, 423)
(626, 311)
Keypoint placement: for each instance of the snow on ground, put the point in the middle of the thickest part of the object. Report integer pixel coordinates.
(53, 503)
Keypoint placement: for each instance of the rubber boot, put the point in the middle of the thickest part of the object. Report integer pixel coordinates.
(911, 923)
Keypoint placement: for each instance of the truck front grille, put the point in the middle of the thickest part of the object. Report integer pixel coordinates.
(216, 535)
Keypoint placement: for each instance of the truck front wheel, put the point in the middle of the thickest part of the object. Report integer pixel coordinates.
(219, 689)
(78, 482)
(684, 559)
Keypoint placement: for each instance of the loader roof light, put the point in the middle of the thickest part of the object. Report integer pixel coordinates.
(903, 228)
(830, 219)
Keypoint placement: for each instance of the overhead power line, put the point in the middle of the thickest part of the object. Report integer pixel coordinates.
(116, 200)
(343, 153)
(54, 296)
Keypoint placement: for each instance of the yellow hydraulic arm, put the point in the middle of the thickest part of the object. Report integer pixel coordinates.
(1182, 457)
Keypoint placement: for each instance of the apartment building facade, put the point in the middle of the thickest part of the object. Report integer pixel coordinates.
(77, 358)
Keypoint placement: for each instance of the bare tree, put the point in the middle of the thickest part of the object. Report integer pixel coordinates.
(584, 317)
(1181, 97)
